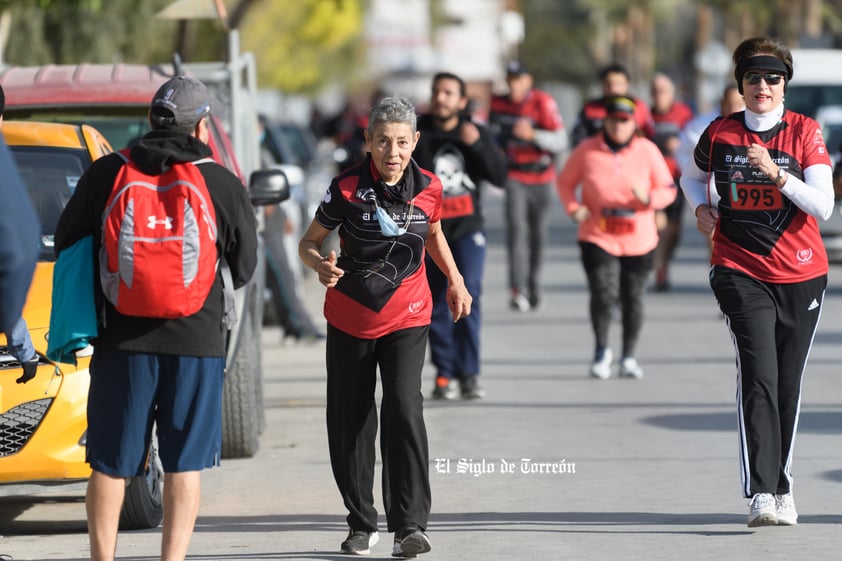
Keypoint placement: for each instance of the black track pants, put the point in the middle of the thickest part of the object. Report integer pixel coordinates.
(352, 426)
(772, 328)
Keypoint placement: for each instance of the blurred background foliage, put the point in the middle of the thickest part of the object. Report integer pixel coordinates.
(571, 39)
(302, 45)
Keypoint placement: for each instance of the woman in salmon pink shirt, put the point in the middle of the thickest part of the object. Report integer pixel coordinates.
(611, 186)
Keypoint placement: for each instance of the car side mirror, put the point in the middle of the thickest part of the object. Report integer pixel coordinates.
(268, 187)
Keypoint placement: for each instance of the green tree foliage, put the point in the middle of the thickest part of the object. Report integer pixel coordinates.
(568, 41)
(559, 36)
(301, 45)
(73, 31)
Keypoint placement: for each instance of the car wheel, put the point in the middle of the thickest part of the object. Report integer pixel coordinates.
(143, 502)
(241, 408)
(258, 386)
(259, 310)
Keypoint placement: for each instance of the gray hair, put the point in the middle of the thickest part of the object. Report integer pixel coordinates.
(396, 109)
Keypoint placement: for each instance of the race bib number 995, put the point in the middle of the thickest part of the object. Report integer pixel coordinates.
(755, 197)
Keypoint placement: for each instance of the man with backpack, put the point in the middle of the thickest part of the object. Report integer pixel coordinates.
(165, 219)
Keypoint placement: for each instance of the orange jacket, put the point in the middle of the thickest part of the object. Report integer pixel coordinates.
(618, 223)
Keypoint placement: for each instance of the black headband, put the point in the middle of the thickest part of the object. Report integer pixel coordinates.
(761, 62)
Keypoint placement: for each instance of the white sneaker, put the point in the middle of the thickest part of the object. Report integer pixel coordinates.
(629, 368)
(763, 510)
(785, 510)
(601, 366)
(519, 303)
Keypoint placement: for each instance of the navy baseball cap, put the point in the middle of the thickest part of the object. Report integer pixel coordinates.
(515, 68)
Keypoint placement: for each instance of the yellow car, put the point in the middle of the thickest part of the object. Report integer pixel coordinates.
(43, 422)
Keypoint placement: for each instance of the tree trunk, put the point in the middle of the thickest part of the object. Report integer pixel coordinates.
(185, 39)
(239, 12)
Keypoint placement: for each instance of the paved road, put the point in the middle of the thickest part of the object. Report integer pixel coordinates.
(650, 466)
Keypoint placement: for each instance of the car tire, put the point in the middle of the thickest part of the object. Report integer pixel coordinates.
(241, 407)
(143, 505)
(259, 310)
(258, 386)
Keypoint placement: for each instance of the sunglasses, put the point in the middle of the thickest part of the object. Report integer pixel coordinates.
(772, 78)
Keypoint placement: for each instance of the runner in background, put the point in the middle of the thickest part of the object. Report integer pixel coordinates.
(670, 116)
(614, 80)
(611, 186)
(528, 126)
(463, 154)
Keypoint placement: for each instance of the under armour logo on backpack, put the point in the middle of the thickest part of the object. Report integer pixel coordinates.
(166, 222)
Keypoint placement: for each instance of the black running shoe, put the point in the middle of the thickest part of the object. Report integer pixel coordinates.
(359, 542)
(470, 388)
(410, 541)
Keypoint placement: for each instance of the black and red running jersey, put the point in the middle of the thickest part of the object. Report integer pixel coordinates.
(761, 232)
(528, 163)
(385, 283)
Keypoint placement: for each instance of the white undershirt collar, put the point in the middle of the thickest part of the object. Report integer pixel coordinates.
(760, 122)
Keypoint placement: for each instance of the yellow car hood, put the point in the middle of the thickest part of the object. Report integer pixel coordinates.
(36, 312)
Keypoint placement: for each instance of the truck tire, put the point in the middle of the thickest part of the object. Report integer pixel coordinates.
(241, 409)
(143, 503)
(258, 387)
(258, 308)
(257, 324)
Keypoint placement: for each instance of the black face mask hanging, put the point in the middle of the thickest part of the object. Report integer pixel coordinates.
(397, 193)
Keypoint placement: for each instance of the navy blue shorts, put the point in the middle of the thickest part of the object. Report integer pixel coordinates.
(130, 391)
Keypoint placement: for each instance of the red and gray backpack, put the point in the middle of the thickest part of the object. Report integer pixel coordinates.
(158, 256)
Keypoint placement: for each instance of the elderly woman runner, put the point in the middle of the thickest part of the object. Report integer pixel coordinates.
(378, 309)
(768, 266)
